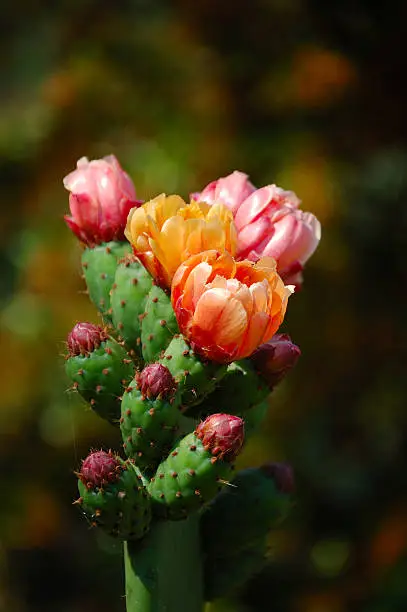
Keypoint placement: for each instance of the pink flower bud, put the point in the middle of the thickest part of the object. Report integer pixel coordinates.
(283, 476)
(99, 468)
(222, 435)
(85, 338)
(275, 358)
(156, 380)
(230, 190)
(101, 197)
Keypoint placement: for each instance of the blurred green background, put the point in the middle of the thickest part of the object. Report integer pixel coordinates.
(307, 94)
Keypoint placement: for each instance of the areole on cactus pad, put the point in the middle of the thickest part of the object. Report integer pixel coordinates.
(189, 331)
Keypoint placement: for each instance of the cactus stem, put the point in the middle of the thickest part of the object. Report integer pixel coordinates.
(164, 573)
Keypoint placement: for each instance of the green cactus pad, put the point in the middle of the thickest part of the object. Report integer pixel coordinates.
(148, 426)
(130, 289)
(223, 575)
(240, 390)
(187, 479)
(99, 268)
(101, 376)
(159, 324)
(195, 377)
(122, 508)
(243, 513)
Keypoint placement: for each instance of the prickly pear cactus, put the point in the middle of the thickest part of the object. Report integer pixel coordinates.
(197, 468)
(189, 336)
(128, 298)
(159, 324)
(99, 369)
(150, 416)
(113, 496)
(99, 268)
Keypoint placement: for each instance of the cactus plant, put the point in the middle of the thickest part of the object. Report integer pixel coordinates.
(99, 268)
(99, 369)
(203, 321)
(128, 297)
(150, 416)
(113, 496)
(197, 468)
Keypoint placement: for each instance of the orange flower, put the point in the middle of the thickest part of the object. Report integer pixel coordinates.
(226, 309)
(166, 231)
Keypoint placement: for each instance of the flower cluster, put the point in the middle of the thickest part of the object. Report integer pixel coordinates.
(231, 257)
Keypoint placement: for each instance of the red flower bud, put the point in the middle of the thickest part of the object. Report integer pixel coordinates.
(275, 358)
(283, 476)
(222, 435)
(156, 380)
(85, 338)
(100, 468)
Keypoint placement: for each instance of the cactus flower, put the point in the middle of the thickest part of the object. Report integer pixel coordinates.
(156, 381)
(268, 222)
(226, 309)
(166, 231)
(231, 190)
(100, 468)
(222, 435)
(275, 358)
(101, 196)
(85, 338)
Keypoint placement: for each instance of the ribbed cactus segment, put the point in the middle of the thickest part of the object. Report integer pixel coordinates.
(130, 289)
(197, 468)
(195, 378)
(148, 425)
(99, 268)
(223, 575)
(243, 514)
(159, 324)
(190, 477)
(120, 505)
(100, 377)
(240, 390)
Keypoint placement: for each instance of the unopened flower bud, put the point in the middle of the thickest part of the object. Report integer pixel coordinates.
(156, 380)
(275, 358)
(99, 468)
(85, 338)
(222, 435)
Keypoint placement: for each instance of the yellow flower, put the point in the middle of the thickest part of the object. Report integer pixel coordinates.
(166, 231)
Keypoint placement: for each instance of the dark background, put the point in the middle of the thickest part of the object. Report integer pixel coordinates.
(308, 94)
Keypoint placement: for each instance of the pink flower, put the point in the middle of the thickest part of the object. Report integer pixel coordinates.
(230, 190)
(102, 195)
(269, 223)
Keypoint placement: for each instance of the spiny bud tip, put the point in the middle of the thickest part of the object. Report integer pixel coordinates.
(275, 358)
(156, 380)
(222, 434)
(99, 468)
(85, 338)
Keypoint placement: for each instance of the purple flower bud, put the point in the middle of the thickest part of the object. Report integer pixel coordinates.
(275, 358)
(99, 468)
(222, 435)
(156, 380)
(283, 476)
(85, 338)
